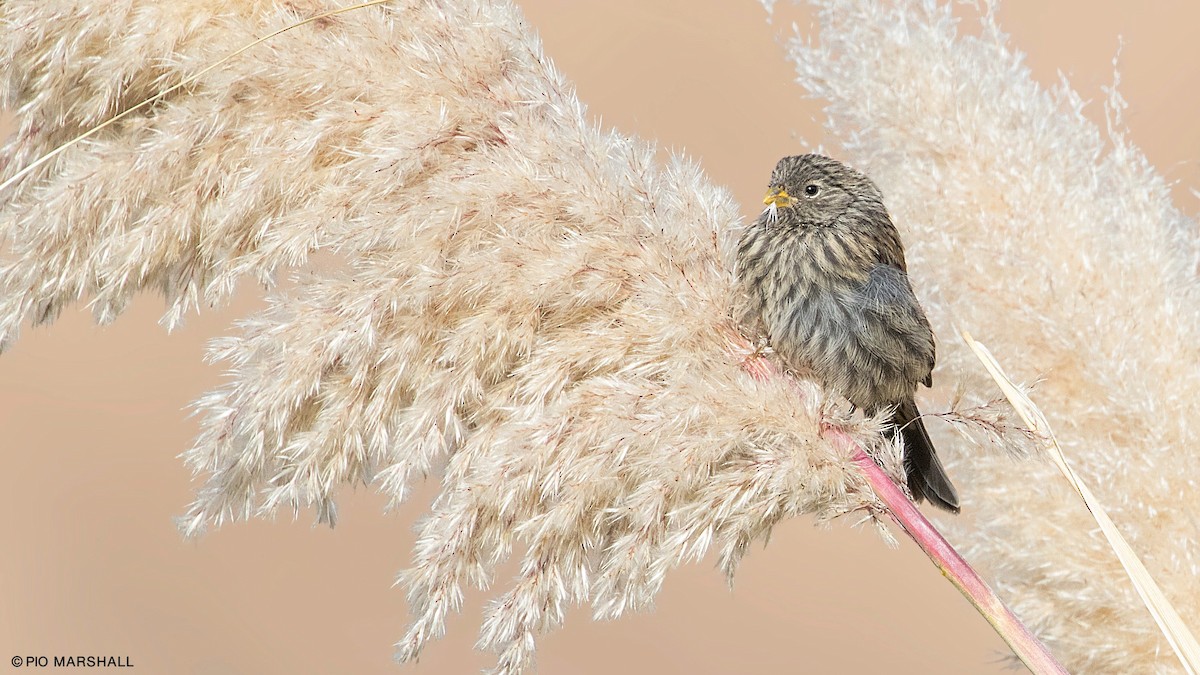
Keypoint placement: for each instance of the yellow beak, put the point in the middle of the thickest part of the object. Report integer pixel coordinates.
(777, 197)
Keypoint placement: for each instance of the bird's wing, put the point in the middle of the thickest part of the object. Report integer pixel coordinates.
(893, 322)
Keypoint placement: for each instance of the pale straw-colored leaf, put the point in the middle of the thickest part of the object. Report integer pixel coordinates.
(1169, 621)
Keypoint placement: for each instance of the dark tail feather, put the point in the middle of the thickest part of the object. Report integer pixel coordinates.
(926, 477)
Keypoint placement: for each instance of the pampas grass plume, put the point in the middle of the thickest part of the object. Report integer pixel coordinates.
(532, 310)
(1056, 243)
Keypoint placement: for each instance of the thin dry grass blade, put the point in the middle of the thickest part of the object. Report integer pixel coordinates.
(1169, 621)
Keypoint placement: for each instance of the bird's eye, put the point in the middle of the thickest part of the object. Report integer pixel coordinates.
(811, 190)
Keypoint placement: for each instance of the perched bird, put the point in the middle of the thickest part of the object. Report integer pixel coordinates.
(824, 270)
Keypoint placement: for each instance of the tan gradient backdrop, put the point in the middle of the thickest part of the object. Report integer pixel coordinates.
(91, 421)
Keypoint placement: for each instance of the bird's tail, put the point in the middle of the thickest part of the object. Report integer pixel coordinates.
(926, 477)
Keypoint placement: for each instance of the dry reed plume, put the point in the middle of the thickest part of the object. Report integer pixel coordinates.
(1057, 244)
(533, 310)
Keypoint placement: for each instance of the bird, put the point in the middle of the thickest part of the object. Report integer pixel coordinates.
(826, 283)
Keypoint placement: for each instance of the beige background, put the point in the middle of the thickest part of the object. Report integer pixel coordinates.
(91, 420)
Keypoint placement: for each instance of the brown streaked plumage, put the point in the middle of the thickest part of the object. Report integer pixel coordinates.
(824, 270)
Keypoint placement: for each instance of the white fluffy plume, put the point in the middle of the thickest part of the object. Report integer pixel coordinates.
(1057, 244)
(532, 310)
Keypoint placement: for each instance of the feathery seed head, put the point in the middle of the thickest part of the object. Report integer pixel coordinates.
(532, 311)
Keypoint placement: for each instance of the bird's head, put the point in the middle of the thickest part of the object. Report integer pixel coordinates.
(816, 191)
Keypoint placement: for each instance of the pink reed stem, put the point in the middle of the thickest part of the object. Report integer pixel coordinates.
(1025, 644)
